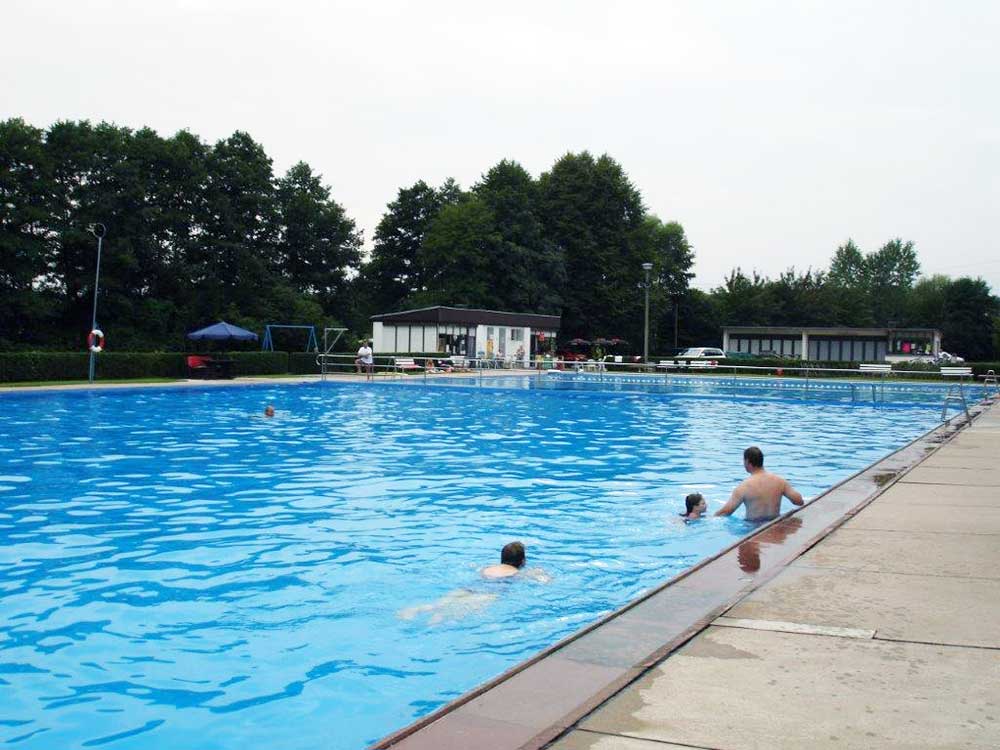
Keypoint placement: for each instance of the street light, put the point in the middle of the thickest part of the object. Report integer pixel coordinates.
(677, 302)
(98, 230)
(647, 267)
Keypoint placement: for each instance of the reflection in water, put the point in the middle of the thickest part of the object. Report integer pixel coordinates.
(748, 553)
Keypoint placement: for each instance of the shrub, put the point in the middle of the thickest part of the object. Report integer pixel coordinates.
(258, 363)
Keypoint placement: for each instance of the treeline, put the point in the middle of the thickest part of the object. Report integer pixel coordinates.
(879, 288)
(200, 232)
(195, 233)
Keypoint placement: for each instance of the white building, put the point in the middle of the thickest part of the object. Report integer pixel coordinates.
(466, 332)
(834, 344)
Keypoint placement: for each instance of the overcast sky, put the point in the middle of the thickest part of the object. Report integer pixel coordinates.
(773, 131)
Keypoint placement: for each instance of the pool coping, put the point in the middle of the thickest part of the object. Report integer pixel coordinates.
(534, 702)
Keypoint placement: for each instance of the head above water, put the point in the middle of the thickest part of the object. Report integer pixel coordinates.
(268, 411)
(693, 501)
(512, 554)
(753, 457)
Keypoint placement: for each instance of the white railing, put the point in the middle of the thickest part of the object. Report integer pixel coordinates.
(867, 383)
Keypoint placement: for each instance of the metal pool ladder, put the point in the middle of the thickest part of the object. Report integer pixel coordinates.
(990, 382)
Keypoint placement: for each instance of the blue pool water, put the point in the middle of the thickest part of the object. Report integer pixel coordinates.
(178, 571)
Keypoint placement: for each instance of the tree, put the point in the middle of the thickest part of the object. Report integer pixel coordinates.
(238, 251)
(26, 187)
(745, 300)
(969, 311)
(850, 301)
(317, 245)
(592, 212)
(394, 274)
(667, 248)
(926, 303)
(528, 270)
(891, 271)
(699, 319)
(458, 257)
(848, 267)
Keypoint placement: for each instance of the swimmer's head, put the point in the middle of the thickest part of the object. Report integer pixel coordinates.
(753, 457)
(512, 554)
(694, 502)
(268, 411)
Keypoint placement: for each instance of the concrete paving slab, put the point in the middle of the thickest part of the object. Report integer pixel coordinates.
(757, 690)
(802, 628)
(975, 460)
(976, 438)
(941, 496)
(927, 518)
(907, 553)
(898, 607)
(933, 475)
(583, 740)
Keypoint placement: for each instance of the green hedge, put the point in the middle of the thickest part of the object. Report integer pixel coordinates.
(258, 363)
(29, 366)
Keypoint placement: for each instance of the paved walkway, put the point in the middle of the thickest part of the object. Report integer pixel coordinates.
(884, 635)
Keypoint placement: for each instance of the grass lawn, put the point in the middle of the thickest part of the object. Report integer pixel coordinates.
(35, 383)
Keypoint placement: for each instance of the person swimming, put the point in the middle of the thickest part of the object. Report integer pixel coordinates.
(512, 559)
(460, 603)
(695, 506)
(268, 411)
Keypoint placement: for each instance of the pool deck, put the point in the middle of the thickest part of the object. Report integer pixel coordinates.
(886, 634)
(854, 622)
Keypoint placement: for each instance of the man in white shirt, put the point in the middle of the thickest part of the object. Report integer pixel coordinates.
(365, 359)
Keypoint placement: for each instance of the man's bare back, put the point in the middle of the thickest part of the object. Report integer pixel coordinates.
(761, 492)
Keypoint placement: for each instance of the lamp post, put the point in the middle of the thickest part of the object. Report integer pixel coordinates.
(98, 230)
(677, 301)
(647, 267)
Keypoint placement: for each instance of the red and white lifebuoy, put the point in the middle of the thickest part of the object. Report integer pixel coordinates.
(95, 341)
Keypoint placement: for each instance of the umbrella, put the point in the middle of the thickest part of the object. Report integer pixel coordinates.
(222, 331)
(579, 342)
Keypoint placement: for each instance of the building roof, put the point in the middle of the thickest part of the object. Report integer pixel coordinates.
(826, 330)
(469, 316)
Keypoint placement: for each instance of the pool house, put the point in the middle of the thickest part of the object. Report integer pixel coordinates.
(489, 334)
(819, 344)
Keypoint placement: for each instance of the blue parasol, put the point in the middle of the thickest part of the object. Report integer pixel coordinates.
(222, 331)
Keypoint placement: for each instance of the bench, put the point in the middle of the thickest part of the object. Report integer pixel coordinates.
(956, 372)
(406, 363)
(874, 369)
(687, 364)
(199, 367)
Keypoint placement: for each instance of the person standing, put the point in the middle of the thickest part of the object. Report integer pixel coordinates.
(366, 359)
(761, 492)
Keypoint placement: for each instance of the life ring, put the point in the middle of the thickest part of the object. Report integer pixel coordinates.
(95, 341)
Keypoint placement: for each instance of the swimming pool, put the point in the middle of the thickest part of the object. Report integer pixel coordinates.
(175, 566)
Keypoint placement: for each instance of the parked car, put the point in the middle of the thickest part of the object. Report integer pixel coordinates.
(702, 352)
(945, 358)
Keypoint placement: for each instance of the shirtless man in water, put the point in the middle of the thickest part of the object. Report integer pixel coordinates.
(761, 492)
